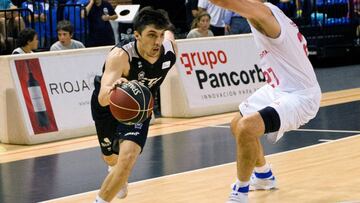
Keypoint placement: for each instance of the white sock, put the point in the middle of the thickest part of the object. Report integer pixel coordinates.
(263, 169)
(109, 168)
(241, 186)
(242, 183)
(99, 200)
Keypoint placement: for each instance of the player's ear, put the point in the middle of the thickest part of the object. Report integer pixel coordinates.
(137, 35)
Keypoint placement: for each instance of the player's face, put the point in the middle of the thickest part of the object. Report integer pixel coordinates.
(150, 40)
(64, 37)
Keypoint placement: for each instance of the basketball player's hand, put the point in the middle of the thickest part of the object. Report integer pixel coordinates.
(118, 82)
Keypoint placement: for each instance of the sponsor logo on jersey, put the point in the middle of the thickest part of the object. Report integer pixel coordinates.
(149, 82)
(138, 126)
(141, 75)
(132, 134)
(106, 142)
(166, 64)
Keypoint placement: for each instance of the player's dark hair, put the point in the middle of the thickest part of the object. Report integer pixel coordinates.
(149, 16)
(26, 35)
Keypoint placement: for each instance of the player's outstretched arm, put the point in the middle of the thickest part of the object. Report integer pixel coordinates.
(259, 15)
(116, 66)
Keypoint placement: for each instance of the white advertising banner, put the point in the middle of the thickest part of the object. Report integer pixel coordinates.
(54, 91)
(219, 71)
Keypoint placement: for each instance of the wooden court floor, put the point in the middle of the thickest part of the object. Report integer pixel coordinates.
(323, 167)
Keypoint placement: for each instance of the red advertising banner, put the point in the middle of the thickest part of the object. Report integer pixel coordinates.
(36, 96)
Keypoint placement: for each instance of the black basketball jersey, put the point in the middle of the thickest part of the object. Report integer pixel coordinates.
(151, 75)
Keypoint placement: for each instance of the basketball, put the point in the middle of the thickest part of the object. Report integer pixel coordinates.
(131, 102)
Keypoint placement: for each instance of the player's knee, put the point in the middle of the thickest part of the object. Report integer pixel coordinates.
(127, 158)
(110, 160)
(234, 125)
(244, 131)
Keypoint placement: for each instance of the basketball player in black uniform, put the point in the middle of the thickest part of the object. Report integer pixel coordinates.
(148, 59)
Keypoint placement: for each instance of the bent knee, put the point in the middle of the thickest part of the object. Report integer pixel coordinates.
(234, 124)
(244, 130)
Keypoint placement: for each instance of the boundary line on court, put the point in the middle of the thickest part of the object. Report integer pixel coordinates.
(300, 130)
(206, 168)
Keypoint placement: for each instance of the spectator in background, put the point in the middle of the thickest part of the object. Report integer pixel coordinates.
(288, 7)
(65, 32)
(60, 10)
(235, 24)
(27, 41)
(100, 31)
(44, 19)
(356, 4)
(51, 20)
(200, 26)
(12, 23)
(191, 7)
(217, 25)
(75, 13)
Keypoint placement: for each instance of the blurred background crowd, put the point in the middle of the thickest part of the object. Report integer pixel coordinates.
(330, 26)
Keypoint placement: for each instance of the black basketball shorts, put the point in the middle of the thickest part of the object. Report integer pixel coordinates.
(110, 131)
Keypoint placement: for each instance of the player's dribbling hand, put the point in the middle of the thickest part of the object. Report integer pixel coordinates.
(118, 82)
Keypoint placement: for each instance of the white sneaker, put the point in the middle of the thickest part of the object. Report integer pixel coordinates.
(236, 196)
(123, 192)
(262, 184)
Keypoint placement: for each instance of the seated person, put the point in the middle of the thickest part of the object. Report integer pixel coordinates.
(11, 24)
(65, 32)
(200, 26)
(27, 41)
(44, 15)
(74, 12)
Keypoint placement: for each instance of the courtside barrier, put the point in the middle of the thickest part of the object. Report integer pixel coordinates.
(46, 96)
(212, 75)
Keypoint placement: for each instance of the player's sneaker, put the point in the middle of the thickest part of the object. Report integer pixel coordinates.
(238, 194)
(123, 192)
(262, 181)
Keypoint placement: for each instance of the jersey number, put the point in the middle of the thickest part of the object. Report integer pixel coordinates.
(301, 39)
(271, 78)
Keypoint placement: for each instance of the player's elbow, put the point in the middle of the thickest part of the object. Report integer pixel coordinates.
(103, 99)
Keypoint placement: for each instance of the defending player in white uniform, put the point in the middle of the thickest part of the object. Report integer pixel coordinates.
(290, 99)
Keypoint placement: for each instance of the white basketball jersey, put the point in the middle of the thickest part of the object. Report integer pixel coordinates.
(284, 60)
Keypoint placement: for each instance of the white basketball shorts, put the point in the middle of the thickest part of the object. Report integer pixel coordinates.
(294, 108)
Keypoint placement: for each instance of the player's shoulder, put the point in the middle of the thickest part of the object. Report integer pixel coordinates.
(117, 54)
